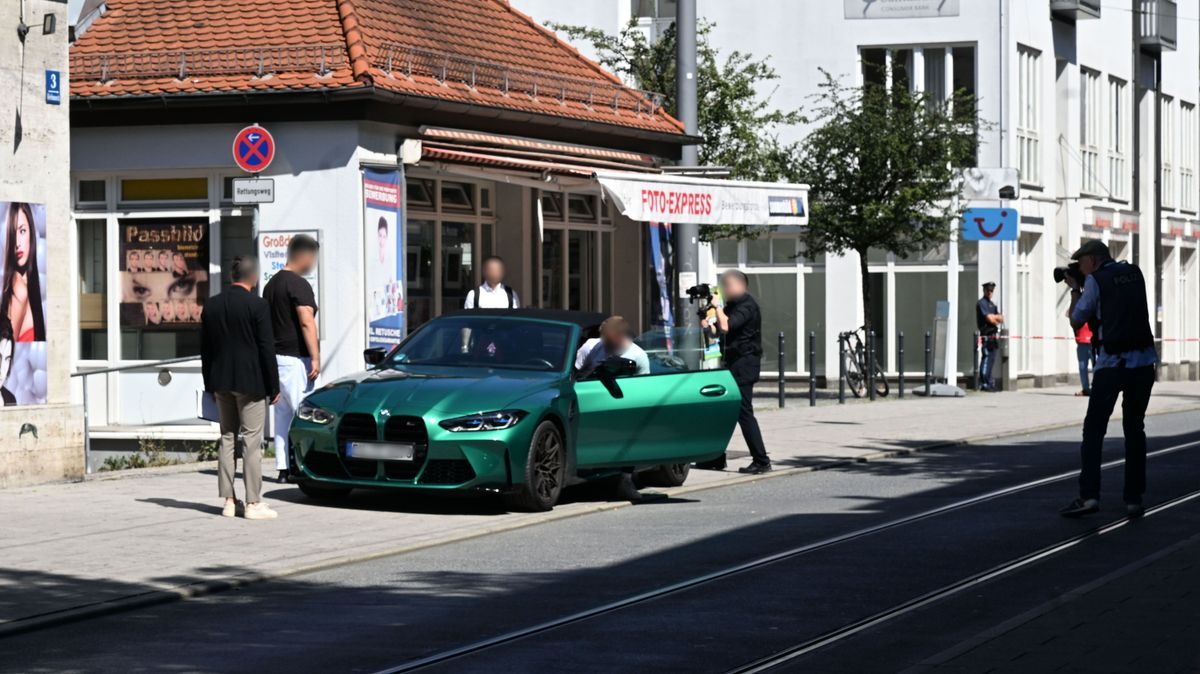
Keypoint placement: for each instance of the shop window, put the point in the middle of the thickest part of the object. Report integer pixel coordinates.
(874, 66)
(552, 206)
(418, 270)
(458, 268)
(457, 197)
(485, 200)
(164, 190)
(879, 323)
(653, 9)
(777, 295)
(164, 283)
(727, 252)
(237, 240)
(92, 193)
(487, 242)
(758, 251)
(581, 208)
(552, 268)
(969, 292)
(814, 320)
(419, 194)
(581, 270)
(606, 272)
(93, 282)
(917, 296)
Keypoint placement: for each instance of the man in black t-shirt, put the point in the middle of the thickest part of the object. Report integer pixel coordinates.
(297, 348)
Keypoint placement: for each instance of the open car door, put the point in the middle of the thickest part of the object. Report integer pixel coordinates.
(672, 415)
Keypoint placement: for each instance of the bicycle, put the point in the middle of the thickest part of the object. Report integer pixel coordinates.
(854, 358)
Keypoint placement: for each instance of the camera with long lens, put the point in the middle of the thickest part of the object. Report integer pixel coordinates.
(1070, 271)
(703, 294)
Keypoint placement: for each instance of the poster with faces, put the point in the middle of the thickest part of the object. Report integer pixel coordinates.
(164, 274)
(23, 283)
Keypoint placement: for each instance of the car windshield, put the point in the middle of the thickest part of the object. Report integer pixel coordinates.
(673, 350)
(486, 342)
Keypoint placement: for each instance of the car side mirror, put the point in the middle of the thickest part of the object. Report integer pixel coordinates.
(612, 368)
(374, 356)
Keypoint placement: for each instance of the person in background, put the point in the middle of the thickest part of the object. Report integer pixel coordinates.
(297, 346)
(493, 293)
(1114, 299)
(988, 320)
(1086, 355)
(237, 360)
(740, 324)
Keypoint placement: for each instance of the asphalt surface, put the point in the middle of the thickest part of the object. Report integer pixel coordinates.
(384, 613)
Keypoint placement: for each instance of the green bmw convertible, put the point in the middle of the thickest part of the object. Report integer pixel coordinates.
(489, 401)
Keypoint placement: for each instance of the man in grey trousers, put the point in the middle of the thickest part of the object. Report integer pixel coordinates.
(237, 355)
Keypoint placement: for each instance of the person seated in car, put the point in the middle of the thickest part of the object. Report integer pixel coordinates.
(615, 340)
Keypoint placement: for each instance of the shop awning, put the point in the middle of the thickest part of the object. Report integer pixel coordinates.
(671, 198)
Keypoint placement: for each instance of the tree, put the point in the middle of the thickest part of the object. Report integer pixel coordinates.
(738, 124)
(882, 168)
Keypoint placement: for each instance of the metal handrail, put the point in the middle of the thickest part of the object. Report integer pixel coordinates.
(87, 432)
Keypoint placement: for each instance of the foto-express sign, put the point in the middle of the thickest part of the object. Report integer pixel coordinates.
(705, 201)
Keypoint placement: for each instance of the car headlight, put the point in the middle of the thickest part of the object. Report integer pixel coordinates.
(316, 415)
(486, 421)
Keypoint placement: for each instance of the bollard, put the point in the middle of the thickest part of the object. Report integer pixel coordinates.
(900, 361)
(976, 354)
(782, 362)
(841, 371)
(928, 363)
(870, 363)
(812, 369)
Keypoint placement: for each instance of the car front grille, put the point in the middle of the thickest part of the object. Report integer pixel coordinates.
(448, 471)
(356, 426)
(411, 430)
(323, 464)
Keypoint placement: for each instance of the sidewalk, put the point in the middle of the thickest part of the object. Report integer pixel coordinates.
(148, 536)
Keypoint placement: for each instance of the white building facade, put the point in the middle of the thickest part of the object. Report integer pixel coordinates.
(1094, 103)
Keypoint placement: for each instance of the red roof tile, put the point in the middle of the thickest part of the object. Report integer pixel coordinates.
(481, 52)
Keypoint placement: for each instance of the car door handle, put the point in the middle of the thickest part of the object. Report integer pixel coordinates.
(713, 390)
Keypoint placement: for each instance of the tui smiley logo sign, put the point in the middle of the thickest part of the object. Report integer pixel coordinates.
(990, 224)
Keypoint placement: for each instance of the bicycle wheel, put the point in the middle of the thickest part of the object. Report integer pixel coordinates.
(881, 384)
(856, 381)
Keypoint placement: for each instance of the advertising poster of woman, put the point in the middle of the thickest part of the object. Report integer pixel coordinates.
(22, 304)
(165, 278)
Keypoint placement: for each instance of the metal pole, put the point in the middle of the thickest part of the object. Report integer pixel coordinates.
(870, 362)
(900, 362)
(686, 234)
(87, 434)
(976, 358)
(812, 369)
(841, 371)
(928, 362)
(782, 358)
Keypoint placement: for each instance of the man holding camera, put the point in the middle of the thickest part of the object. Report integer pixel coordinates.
(1114, 299)
(740, 323)
(987, 320)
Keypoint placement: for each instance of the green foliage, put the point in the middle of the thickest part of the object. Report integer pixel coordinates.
(738, 124)
(151, 453)
(207, 451)
(883, 167)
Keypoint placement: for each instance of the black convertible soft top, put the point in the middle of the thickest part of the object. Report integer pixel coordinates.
(588, 320)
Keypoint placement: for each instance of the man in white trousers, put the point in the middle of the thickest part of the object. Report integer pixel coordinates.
(297, 348)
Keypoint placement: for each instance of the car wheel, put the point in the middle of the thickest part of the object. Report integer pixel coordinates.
(545, 471)
(666, 475)
(323, 493)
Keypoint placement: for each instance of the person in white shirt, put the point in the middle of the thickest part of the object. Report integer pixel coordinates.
(614, 340)
(493, 294)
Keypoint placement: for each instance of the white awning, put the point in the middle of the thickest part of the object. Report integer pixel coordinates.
(705, 201)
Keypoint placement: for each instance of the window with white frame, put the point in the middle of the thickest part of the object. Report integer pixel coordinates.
(1118, 138)
(1029, 114)
(1090, 107)
(1169, 137)
(1187, 156)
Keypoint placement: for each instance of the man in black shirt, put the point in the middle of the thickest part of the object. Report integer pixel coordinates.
(237, 360)
(297, 348)
(988, 320)
(740, 321)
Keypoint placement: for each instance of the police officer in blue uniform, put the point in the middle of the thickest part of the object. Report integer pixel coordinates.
(988, 319)
(1114, 296)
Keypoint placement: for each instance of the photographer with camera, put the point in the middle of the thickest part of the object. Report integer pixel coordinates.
(987, 320)
(1084, 334)
(740, 324)
(1114, 297)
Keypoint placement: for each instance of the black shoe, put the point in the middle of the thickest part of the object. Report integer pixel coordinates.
(1134, 510)
(755, 469)
(284, 476)
(627, 491)
(720, 463)
(1080, 507)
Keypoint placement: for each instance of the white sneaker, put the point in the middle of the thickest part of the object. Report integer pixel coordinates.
(259, 511)
(231, 508)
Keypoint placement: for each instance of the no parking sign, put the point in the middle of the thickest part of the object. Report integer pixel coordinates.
(253, 149)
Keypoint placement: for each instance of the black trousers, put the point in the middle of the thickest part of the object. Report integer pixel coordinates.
(1134, 385)
(749, 425)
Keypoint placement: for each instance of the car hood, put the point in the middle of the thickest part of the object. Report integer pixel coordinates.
(465, 393)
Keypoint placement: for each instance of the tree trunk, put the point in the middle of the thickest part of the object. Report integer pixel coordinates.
(866, 293)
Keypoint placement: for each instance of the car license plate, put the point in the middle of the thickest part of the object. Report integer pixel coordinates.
(379, 451)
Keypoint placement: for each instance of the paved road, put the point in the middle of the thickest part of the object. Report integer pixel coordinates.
(382, 613)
